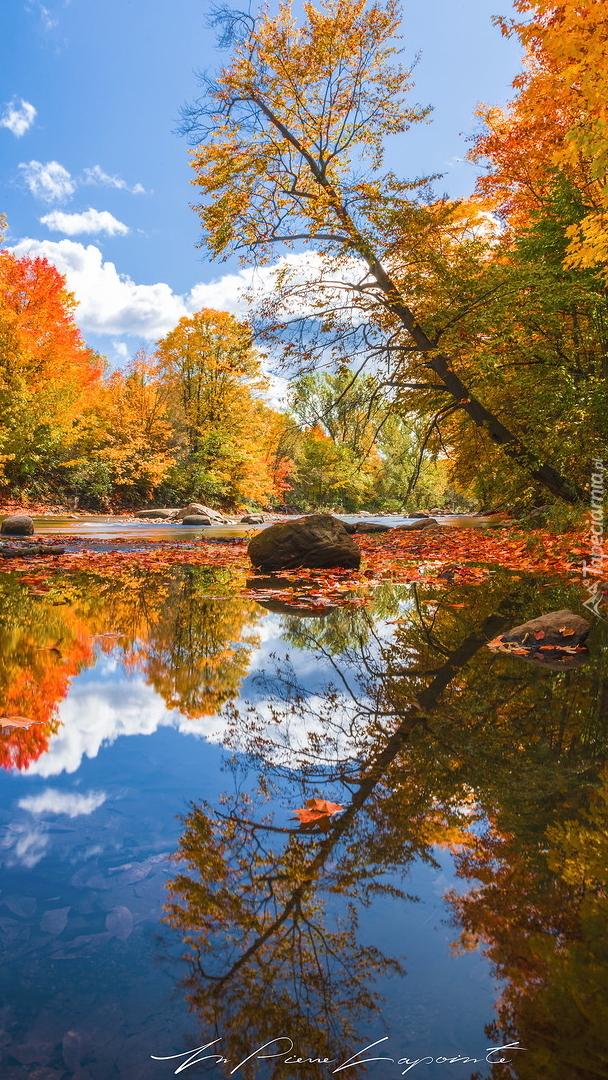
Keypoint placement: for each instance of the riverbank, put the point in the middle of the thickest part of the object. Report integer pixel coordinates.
(443, 554)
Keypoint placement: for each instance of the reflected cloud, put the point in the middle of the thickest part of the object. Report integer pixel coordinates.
(26, 846)
(52, 801)
(96, 714)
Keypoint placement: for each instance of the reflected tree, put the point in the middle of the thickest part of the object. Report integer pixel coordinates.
(199, 650)
(421, 735)
(194, 648)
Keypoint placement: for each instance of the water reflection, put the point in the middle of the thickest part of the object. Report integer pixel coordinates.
(427, 740)
(177, 632)
(438, 750)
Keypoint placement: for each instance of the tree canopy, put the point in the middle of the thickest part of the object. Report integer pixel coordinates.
(307, 141)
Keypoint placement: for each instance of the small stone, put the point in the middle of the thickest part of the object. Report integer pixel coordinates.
(196, 519)
(422, 523)
(252, 519)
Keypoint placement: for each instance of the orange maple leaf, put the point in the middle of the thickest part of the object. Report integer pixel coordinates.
(17, 721)
(316, 809)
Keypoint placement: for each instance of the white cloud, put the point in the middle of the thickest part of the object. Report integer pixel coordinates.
(89, 221)
(121, 351)
(18, 117)
(49, 182)
(95, 715)
(47, 17)
(97, 175)
(109, 302)
(112, 303)
(52, 801)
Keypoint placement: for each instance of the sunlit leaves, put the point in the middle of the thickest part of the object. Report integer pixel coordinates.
(317, 810)
(46, 371)
(229, 439)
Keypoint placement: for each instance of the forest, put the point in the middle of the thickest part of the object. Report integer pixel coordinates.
(351, 792)
(440, 353)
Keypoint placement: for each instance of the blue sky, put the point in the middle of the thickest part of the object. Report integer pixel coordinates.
(95, 178)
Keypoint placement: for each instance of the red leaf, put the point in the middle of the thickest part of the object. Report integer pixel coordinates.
(316, 809)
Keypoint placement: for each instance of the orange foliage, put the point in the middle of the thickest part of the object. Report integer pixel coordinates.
(33, 681)
(38, 336)
(557, 122)
(46, 370)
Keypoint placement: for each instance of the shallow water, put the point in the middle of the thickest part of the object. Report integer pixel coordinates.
(176, 715)
(127, 529)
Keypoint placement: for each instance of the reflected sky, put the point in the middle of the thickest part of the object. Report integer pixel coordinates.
(125, 678)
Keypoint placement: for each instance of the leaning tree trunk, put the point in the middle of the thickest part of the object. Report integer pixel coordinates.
(510, 443)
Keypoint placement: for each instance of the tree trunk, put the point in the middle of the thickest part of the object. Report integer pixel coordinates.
(512, 445)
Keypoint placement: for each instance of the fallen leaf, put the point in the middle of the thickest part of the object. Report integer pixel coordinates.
(316, 809)
(539, 635)
(306, 816)
(17, 722)
(567, 631)
(119, 922)
(54, 921)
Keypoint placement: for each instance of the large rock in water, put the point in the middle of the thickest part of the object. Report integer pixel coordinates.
(203, 511)
(555, 640)
(318, 542)
(420, 523)
(17, 525)
(196, 519)
(162, 513)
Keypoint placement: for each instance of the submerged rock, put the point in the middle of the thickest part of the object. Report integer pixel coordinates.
(555, 640)
(319, 541)
(25, 551)
(17, 525)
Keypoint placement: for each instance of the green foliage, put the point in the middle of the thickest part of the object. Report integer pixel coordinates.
(355, 451)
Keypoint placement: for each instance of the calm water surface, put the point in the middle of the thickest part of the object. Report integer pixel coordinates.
(125, 529)
(456, 903)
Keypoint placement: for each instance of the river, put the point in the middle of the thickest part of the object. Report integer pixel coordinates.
(160, 893)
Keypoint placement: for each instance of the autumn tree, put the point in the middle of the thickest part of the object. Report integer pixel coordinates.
(544, 160)
(127, 441)
(46, 374)
(293, 132)
(556, 127)
(215, 382)
(378, 458)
